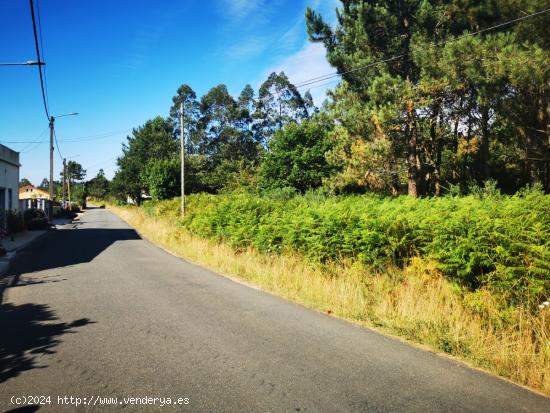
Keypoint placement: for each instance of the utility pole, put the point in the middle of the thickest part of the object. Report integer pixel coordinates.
(69, 185)
(52, 122)
(64, 183)
(50, 209)
(182, 151)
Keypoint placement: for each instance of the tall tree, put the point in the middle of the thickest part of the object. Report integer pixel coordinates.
(45, 184)
(309, 104)
(98, 186)
(24, 182)
(154, 140)
(224, 122)
(367, 32)
(229, 140)
(279, 103)
(447, 115)
(75, 171)
(186, 95)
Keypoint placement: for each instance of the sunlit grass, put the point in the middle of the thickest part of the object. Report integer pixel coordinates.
(416, 303)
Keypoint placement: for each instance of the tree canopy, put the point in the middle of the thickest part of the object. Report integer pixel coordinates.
(434, 96)
(444, 107)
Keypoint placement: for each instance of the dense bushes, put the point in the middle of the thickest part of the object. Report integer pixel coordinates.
(416, 303)
(35, 219)
(14, 222)
(296, 156)
(501, 242)
(30, 219)
(162, 177)
(67, 213)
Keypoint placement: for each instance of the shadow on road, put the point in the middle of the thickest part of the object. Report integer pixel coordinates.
(63, 248)
(27, 332)
(25, 409)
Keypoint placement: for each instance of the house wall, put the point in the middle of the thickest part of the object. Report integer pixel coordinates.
(9, 178)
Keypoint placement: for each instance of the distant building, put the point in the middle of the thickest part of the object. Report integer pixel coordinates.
(32, 197)
(9, 181)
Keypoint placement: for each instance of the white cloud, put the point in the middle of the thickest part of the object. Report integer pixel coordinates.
(294, 34)
(254, 45)
(309, 62)
(238, 9)
(248, 48)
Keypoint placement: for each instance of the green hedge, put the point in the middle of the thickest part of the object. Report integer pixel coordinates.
(502, 242)
(35, 219)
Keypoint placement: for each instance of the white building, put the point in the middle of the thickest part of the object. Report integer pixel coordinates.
(9, 181)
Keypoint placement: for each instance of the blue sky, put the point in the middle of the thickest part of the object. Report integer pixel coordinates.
(118, 63)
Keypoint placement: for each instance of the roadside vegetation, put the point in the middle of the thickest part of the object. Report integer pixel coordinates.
(465, 276)
(413, 199)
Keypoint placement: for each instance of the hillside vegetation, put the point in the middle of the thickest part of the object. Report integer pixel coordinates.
(485, 241)
(465, 275)
(444, 95)
(385, 203)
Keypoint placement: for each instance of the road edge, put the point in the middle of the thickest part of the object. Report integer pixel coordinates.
(353, 323)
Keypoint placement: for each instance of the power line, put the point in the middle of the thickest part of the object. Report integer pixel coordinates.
(38, 57)
(39, 139)
(31, 148)
(42, 49)
(57, 145)
(86, 138)
(16, 142)
(322, 83)
(328, 76)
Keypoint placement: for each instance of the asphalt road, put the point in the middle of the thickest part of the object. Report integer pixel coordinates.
(95, 311)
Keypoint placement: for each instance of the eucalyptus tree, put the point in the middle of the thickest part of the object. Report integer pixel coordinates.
(279, 103)
(191, 114)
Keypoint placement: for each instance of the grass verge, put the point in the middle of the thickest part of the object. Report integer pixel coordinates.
(416, 303)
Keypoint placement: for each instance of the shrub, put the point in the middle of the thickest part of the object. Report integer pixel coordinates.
(15, 222)
(35, 219)
(296, 156)
(162, 177)
(488, 240)
(66, 213)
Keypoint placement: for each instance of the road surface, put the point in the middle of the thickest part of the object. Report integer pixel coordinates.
(99, 314)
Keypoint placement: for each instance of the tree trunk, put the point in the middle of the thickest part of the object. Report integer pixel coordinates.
(546, 145)
(412, 140)
(411, 135)
(394, 178)
(484, 144)
(437, 145)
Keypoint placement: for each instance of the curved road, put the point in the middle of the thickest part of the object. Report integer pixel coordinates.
(96, 312)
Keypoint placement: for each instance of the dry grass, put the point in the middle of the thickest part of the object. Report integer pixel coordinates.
(417, 304)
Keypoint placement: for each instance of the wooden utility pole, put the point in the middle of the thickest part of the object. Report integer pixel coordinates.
(64, 183)
(50, 209)
(182, 153)
(69, 186)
